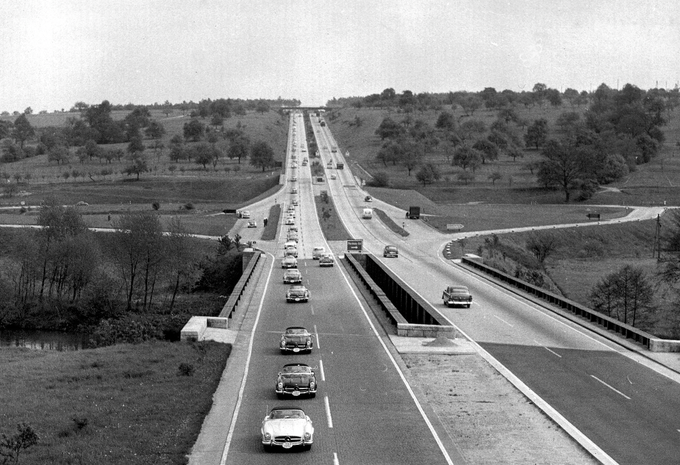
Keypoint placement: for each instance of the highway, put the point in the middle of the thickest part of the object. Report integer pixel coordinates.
(364, 412)
(626, 409)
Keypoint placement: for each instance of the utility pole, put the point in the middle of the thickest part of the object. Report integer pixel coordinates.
(657, 239)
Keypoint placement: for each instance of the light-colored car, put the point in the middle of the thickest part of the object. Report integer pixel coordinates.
(291, 251)
(245, 214)
(294, 190)
(326, 260)
(296, 379)
(333, 176)
(296, 339)
(295, 202)
(457, 295)
(252, 224)
(292, 236)
(290, 221)
(291, 208)
(293, 229)
(391, 251)
(293, 179)
(297, 293)
(289, 262)
(317, 252)
(292, 276)
(287, 427)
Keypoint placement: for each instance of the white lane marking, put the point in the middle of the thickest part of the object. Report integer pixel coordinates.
(401, 375)
(316, 334)
(611, 387)
(337, 462)
(323, 374)
(312, 308)
(553, 352)
(328, 411)
(501, 319)
(230, 435)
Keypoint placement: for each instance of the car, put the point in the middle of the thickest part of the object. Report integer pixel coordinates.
(333, 176)
(287, 427)
(245, 214)
(457, 295)
(304, 149)
(292, 276)
(391, 251)
(289, 262)
(329, 165)
(334, 149)
(252, 224)
(290, 221)
(317, 252)
(293, 229)
(294, 165)
(296, 339)
(292, 236)
(291, 208)
(293, 179)
(294, 190)
(291, 252)
(326, 260)
(82, 203)
(297, 293)
(368, 198)
(296, 379)
(295, 202)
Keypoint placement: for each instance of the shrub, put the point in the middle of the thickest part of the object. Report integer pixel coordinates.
(185, 369)
(380, 179)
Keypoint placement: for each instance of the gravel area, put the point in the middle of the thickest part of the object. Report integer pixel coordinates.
(487, 418)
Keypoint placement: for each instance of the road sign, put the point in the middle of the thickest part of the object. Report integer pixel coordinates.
(355, 245)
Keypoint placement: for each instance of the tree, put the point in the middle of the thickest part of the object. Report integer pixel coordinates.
(11, 446)
(389, 129)
(446, 121)
(428, 173)
(495, 176)
(136, 146)
(411, 155)
(466, 156)
(137, 165)
(537, 133)
(541, 246)
(487, 149)
(391, 151)
(194, 130)
(466, 176)
(239, 148)
(470, 104)
(181, 257)
(261, 155)
(139, 254)
(561, 166)
(59, 153)
(155, 130)
(624, 293)
(202, 154)
(471, 129)
(22, 130)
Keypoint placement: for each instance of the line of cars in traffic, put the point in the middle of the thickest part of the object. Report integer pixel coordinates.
(289, 426)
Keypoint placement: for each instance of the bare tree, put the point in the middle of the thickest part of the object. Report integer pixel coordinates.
(542, 246)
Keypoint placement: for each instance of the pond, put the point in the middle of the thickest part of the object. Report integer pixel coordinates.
(43, 340)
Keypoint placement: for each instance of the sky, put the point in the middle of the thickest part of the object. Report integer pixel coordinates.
(55, 53)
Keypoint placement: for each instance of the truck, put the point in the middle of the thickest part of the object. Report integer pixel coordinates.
(413, 213)
(340, 166)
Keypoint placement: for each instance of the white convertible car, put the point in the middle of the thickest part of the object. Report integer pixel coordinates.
(287, 427)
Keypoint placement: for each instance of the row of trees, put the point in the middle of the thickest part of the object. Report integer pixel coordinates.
(64, 265)
(488, 98)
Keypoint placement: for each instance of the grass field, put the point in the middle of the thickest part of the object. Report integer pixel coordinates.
(119, 405)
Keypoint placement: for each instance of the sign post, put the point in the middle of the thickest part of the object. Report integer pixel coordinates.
(355, 245)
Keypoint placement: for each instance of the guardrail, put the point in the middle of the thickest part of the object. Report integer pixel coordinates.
(232, 302)
(413, 316)
(651, 342)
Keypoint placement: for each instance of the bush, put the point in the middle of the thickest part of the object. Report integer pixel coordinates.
(380, 179)
(185, 369)
(125, 330)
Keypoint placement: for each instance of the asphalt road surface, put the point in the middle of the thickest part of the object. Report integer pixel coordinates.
(363, 411)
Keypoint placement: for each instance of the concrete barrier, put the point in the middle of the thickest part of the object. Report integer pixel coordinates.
(196, 326)
(412, 316)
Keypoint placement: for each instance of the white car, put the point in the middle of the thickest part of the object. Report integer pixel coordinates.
(245, 214)
(333, 176)
(290, 221)
(287, 427)
(289, 262)
(318, 252)
(292, 276)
